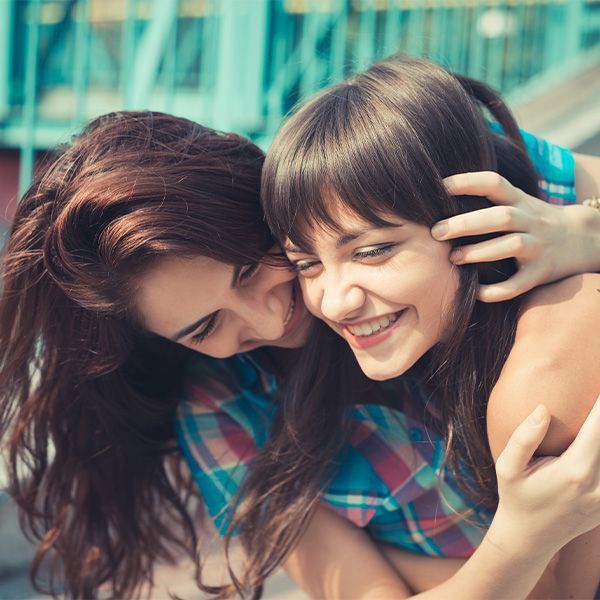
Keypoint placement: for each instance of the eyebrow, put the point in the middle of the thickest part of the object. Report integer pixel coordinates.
(345, 238)
(190, 328)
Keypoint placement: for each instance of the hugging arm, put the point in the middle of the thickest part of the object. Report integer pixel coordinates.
(549, 242)
(334, 559)
(554, 361)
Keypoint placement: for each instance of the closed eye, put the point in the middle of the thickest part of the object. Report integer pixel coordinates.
(246, 273)
(208, 328)
(374, 252)
(303, 267)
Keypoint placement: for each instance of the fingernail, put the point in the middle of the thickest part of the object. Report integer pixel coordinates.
(439, 230)
(449, 184)
(537, 416)
(456, 255)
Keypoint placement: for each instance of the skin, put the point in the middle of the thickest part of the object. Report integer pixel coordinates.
(169, 303)
(341, 281)
(171, 298)
(362, 274)
(235, 310)
(529, 222)
(320, 557)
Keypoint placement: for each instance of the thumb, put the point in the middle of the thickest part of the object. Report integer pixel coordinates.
(523, 443)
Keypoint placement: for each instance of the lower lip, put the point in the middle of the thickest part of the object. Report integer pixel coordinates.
(368, 341)
(298, 312)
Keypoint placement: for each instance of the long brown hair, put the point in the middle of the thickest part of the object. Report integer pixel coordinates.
(382, 142)
(87, 398)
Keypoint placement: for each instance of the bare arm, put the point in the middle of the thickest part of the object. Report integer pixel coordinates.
(421, 572)
(549, 242)
(334, 559)
(587, 176)
(554, 360)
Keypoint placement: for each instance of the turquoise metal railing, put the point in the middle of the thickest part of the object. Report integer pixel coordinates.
(241, 64)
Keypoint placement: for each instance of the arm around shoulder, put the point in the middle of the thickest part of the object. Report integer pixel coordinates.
(554, 361)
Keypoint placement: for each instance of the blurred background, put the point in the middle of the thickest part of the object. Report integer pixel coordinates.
(240, 65)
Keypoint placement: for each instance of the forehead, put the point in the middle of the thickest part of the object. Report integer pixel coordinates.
(341, 225)
(175, 292)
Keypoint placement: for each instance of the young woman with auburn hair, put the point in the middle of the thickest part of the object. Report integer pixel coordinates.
(351, 186)
(146, 230)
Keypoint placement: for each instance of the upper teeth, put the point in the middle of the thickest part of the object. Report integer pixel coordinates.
(373, 326)
(291, 308)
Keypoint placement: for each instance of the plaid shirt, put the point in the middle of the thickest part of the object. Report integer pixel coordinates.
(555, 167)
(391, 479)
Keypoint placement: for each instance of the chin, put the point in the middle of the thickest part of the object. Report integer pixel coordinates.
(382, 371)
(379, 372)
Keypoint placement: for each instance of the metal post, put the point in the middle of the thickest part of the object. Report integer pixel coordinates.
(150, 50)
(81, 62)
(6, 47)
(27, 158)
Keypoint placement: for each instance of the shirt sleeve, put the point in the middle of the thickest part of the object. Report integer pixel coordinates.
(554, 165)
(219, 426)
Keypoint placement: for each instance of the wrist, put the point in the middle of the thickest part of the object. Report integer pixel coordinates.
(584, 226)
(519, 538)
(592, 226)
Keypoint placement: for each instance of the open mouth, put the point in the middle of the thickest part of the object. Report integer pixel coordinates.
(372, 332)
(375, 326)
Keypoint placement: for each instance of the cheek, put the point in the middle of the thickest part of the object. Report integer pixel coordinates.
(441, 298)
(271, 277)
(427, 280)
(311, 295)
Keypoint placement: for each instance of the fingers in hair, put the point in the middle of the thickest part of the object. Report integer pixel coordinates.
(525, 279)
(484, 183)
(514, 245)
(495, 219)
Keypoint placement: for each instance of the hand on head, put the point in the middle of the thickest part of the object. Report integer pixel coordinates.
(536, 234)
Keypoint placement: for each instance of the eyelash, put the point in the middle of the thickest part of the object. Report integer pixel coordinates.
(379, 251)
(212, 322)
(248, 273)
(374, 252)
(210, 327)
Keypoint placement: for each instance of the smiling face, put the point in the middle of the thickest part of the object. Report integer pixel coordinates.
(389, 291)
(221, 310)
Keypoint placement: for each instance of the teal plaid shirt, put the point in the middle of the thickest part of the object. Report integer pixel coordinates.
(391, 479)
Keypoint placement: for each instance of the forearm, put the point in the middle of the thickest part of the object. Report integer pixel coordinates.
(421, 572)
(587, 176)
(502, 567)
(573, 573)
(583, 229)
(577, 571)
(336, 560)
(585, 222)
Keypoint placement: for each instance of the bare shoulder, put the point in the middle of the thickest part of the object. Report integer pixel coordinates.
(554, 361)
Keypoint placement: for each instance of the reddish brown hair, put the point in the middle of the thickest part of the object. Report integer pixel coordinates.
(86, 405)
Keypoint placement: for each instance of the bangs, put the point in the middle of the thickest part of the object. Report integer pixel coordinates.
(348, 151)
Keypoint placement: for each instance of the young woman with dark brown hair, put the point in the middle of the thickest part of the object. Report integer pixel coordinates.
(351, 187)
(145, 231)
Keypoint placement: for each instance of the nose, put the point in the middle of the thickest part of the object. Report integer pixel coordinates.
(264, 305)
(341, 299)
